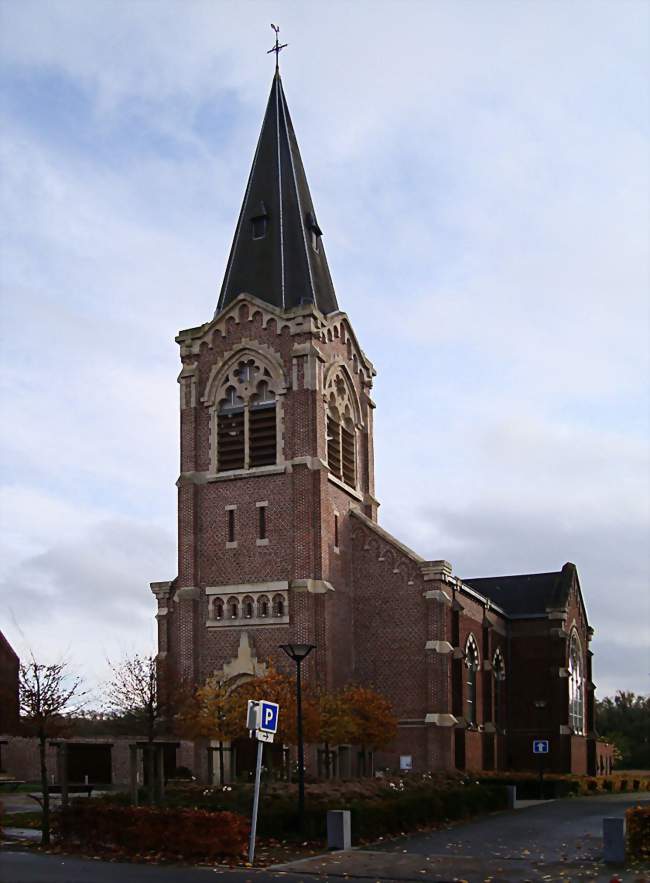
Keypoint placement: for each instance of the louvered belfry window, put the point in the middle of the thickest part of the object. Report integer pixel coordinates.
(230, 432)
(246, 431)
(262, 427)
(341, 428)
(348, 454)
(334, 445)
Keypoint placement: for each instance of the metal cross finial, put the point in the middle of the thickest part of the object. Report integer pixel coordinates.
(277, 48)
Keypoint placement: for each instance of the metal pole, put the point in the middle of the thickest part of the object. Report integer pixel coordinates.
(541, 777)
(256, 802)
(301, 751)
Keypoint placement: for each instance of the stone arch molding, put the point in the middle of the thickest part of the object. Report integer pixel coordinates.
(222, 375)
(339, 392)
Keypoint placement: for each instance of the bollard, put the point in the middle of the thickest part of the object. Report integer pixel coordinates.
(614, 840)
(512, 796)
(339, 829)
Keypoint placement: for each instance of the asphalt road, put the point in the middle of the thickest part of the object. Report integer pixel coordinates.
(26, 867)
(558, 830)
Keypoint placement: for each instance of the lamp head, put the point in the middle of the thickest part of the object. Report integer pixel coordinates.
(540, 703)
(297, 652)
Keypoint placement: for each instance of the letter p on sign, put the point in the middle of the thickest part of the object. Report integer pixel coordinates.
(269, 716)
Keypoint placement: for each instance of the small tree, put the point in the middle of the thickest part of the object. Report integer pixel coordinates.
(47, 694)
(211, 713)
(336, 724)
(132, 691)
(373, 724)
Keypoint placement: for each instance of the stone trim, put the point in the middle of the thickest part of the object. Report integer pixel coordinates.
(263, 542)
(437, 595)
(244, 473)
(247, 588)
(187, 593)
(345, 487)
(440, 719)
(162, 590)
(312, 586)
(436, 570)
(439, 646)
(559, 633)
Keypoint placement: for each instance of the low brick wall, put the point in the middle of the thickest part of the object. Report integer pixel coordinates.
(20, 758)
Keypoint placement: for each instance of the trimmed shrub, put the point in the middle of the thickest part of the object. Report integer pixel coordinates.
(188, 833)
(638, 831)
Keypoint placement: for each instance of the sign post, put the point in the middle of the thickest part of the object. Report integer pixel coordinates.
(261, 721)
(540, 748)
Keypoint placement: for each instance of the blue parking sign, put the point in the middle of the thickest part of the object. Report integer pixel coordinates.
(269, 716)
(540, 746)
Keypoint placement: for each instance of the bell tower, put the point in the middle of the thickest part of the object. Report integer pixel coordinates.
(276, 445)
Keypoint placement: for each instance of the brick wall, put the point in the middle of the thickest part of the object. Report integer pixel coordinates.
(9, 665)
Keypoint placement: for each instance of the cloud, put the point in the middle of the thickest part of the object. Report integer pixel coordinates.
(481, 176)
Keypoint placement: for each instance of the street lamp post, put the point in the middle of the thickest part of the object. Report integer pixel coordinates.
(298, 652)
(540, 705)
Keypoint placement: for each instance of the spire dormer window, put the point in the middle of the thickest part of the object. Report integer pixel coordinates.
(259, 222)
(315, 231)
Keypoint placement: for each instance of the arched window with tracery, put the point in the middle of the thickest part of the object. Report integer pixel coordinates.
(576, 685)
(233, 608)
(472, 667)
(341, 428)
(217, 608)
(245, 403)
(499, 674)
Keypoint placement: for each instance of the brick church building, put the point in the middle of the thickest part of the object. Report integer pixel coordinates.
(278, 533)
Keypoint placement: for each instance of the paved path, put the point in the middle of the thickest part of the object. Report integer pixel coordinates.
(558, 840)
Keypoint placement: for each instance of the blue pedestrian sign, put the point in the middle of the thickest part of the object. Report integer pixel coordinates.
(268, 720)
(540, 746)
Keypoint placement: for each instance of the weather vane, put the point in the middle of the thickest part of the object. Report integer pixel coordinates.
(278, 47)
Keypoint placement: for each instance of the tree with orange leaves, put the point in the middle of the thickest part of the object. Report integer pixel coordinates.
(372, 723)
(275, 686)
(212, 713)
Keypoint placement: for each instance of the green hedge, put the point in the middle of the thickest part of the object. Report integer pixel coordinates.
(390, 812)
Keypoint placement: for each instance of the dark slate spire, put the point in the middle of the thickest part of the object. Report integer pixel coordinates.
(277, 254)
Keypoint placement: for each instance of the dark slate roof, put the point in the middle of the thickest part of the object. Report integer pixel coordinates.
(526, 593)
(281, 267)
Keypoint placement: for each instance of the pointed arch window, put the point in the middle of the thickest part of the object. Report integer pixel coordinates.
(576, 686)
(499, 673)
(341, 431)
(246, 418)
(471, 666)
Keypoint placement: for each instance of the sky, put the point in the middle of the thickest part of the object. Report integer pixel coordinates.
(480, 174)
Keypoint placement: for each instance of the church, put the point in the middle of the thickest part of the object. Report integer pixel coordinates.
(278, 532)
